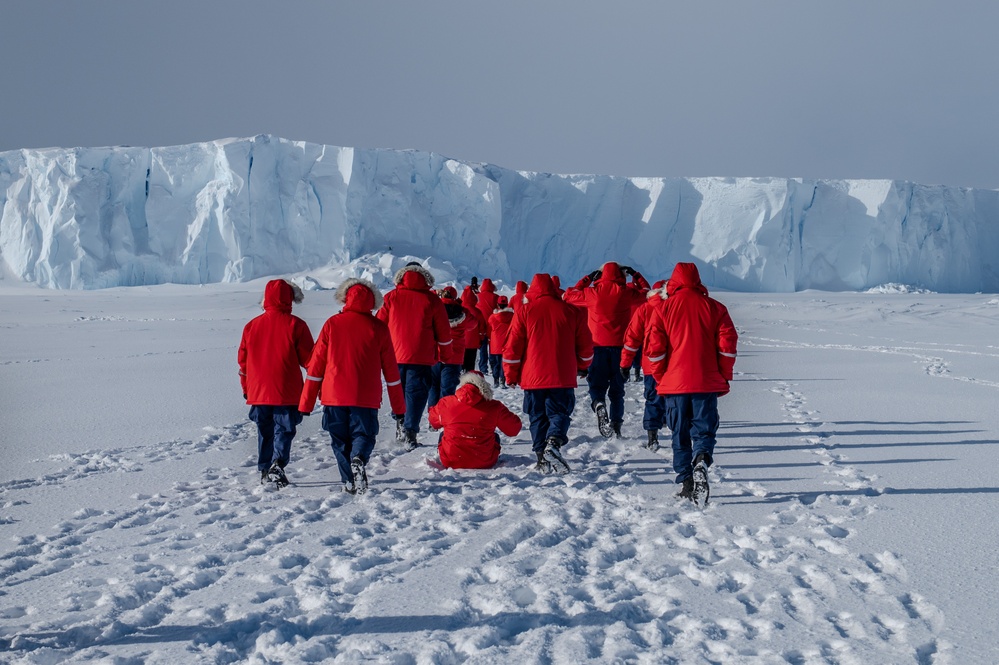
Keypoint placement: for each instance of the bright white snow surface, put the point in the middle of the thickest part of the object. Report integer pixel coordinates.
(239, 209)
(852, 516)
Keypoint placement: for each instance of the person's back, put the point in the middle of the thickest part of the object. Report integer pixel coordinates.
(692, 348)
(272, 351)
(609, 302)
(470, 419)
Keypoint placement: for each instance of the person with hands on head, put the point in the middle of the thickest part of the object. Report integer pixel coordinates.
(274, 347)
(547, 344)
(609, 302)
(353, 352)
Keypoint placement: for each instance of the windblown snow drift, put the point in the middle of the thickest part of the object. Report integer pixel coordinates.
(239, 209)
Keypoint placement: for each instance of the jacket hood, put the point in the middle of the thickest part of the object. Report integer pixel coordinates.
(542, 285)
(521, 287)
(611, 272)
(279, 294)
(449, 292)
(476, 383)
(658, 289)
(502, 303)
(487, 286)
(685, 276)
(363, 299)
(455, 311)
(409, 276)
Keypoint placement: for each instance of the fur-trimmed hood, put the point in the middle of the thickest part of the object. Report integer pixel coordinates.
(476, 379)
(658, 289)
(279, 294)
(418, 269)
(359, 300)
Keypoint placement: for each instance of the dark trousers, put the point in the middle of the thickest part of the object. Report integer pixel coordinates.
(275, 431)
(605, 380)
(352, 434)
(550, 412)
(416, 381)
(694, 420)
(468, 364)
(655, 406)
(444, 382)
(496, 363)
(484, 357)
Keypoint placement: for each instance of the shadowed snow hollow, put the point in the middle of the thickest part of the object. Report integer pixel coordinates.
(240, 209)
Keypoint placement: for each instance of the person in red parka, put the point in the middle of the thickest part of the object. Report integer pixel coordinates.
(474, 335)
(692, 348)
(609, 302)
(634, 340)
(487, 303)
(272, 352)
(447, 372)
(519, 296)
(353, 352)
(499, 326)
(470, 419)
(547, 345)
(419, 326)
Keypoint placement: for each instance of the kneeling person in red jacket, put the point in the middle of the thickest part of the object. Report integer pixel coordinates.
(470, 418)
(352, 353)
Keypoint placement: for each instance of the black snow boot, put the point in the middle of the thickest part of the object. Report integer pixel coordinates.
(603, 420)
(638, 374)
(543, 465)
(410, 440)
(400, 431)
(276, 475)
(264, 477)
(554, 457)
(653, 443)
(701, 490)
(616, 426)
(686, 490)
(360, 476)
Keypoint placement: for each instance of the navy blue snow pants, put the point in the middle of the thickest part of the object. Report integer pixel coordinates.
(693, 418)
(496, 364)
(352, 434)
(484, 357)
(655, 406)
(275, 431)
(444, 382)
(550, 412)
(605, 380)
(416, 381)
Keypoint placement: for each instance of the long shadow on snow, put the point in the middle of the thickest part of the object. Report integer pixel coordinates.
(809, 498)
(843, 446)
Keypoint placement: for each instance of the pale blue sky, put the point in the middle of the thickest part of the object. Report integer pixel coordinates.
(902, 89)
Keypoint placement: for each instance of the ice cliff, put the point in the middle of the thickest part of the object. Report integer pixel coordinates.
(239, 209)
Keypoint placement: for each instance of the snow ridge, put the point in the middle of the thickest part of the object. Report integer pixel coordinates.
(239, 209)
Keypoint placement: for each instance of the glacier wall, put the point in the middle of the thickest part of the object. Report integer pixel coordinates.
(239, 209)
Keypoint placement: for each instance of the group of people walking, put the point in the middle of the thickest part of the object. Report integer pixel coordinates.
(426, 345)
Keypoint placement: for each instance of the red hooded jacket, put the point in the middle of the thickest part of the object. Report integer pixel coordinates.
(487, 298)
(520, 292)
(499, 327)
(470, 419)
(460, 320)
(548, 341)
(692, 341)
(639, 328)
(474, 334)
(415, 317)
(352, 353)
(609, 303)
(274, 348)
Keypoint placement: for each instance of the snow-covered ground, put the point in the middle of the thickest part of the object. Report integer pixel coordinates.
(851, 518)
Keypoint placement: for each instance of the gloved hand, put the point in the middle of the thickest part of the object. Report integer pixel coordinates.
(244, 396)
(626, 372)
(304, 413)
(582, 373)
(398, 417)
(628, 270)
(595, 275)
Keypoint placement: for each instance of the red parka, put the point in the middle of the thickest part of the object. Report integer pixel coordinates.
(415, 316)
(692, 341)
(609, 303)
(470, 419)
(548, 341)
(519, 295)
(499, 327)
(460, 320)
(639, 328)
(352, 353)
(487, 298)
(274, 348)
(474, 334)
